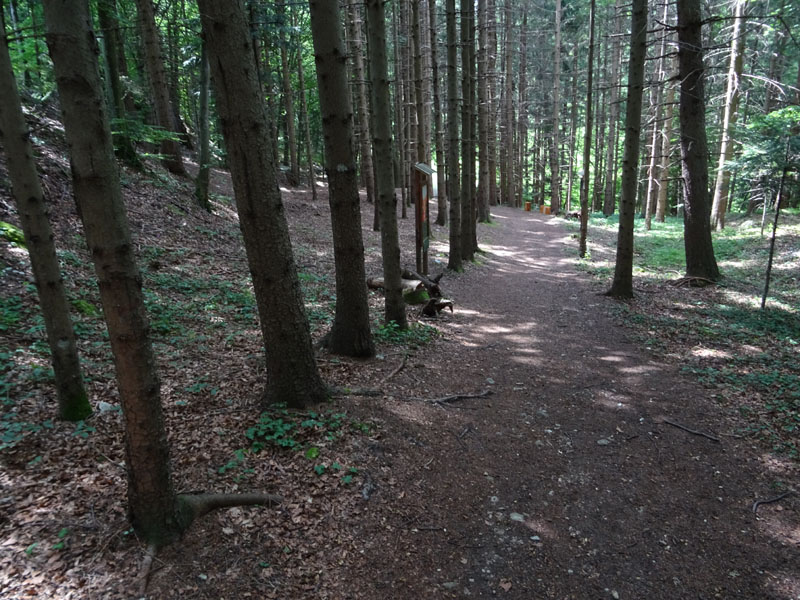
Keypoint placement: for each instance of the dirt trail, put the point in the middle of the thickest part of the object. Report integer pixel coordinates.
(566, 482)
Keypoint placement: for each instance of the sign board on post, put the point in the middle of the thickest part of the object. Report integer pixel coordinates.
(422, 183)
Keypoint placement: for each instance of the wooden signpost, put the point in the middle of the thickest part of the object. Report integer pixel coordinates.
(422, 183)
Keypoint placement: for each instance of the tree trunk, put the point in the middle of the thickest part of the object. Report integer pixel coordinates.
(422, 151)
(395, 310)
(204, 159)
(73, 49)
(666, 151)
(73, 403)
(438, 131)
(610, 195)
(482, 200)
(154, 64)
(700, 261)
(453, 184)
(573, 125)
(367, 168)
(293, 176)
(291, 367)
(622, 286)
(467, 142)
(587, 140)
(350, 333)
(720, 203)
(555, 174)
(107, 17)
(301, 82)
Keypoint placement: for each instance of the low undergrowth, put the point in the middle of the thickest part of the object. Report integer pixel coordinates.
(745, 356)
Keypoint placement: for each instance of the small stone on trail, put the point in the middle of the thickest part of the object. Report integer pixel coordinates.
(490, 381)
(603, 442)
(450, 585)
(516, 517)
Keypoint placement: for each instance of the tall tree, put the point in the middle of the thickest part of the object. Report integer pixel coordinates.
(622, 286)
(291, 367)
(700, 261)
(610, 193)
(73, 403)
(482, 199)
(467, 141)
(587, 139)
(204, 157)
(305, 118)
(719, 204)
(395, 310)
(555, 173)
(156, 74)
(350, 333)
(157, 514)
(288, 96)
(438, 130)
(453, 186)
(362, 103)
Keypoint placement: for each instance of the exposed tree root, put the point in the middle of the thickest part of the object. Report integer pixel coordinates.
(396, 371)
(692, 431)
(194, 506)
(446, 400)
(775, 499)
(692, 282)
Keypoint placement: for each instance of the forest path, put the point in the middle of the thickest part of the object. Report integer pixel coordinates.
(566, 482)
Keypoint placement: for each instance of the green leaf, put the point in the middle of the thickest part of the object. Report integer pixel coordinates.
(312, 452)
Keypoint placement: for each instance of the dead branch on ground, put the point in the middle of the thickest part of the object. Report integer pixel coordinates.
(692, 431)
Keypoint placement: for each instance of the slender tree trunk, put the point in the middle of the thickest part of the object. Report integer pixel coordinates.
(291, 367)
(422, 151)
(384, 180)
(401, 118)
(73, 403)
(301, 82)
(107, 17)
(653, 179)
(367, 168)
(666, 151)
(573, 125)
(154, 63)
(587, 140)
(555, 173)
(482, 200)
(204, 159)
(700, 261)
(622, 286)
(293, 176)
(467, 142)
(491, 73)
(438, 130)
(609, 197)
(721, 187)
(522, 104)
(507, 151)
(453, 184)
(350, 334)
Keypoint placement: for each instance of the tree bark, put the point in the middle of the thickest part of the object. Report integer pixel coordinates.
(291, 367)
(622, 286)
(154, 64)
(293, 177)
(453, 184)
(301, 82)
(73, 403)
(204, 159)
(395, 310)
(610, 195)
(467, 141)
(482, 200)
(438, 130)
(73, 49)
(700, 261)
(350, 334)
(719, 204)
(367, 167)
(555, 173)
(587, 140)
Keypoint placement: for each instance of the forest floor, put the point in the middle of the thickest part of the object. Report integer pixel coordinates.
(524, 446)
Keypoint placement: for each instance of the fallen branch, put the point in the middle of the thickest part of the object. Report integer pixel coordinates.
(770, 501)
(396, 371)
(448, 399)
(339, 392)
(431, 284)
(692, 431)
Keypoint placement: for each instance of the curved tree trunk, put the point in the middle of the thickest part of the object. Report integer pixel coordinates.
(395, 309)
(291, 367)
(350, 334)
(700, 261)
(622, 286)
(73, 403)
